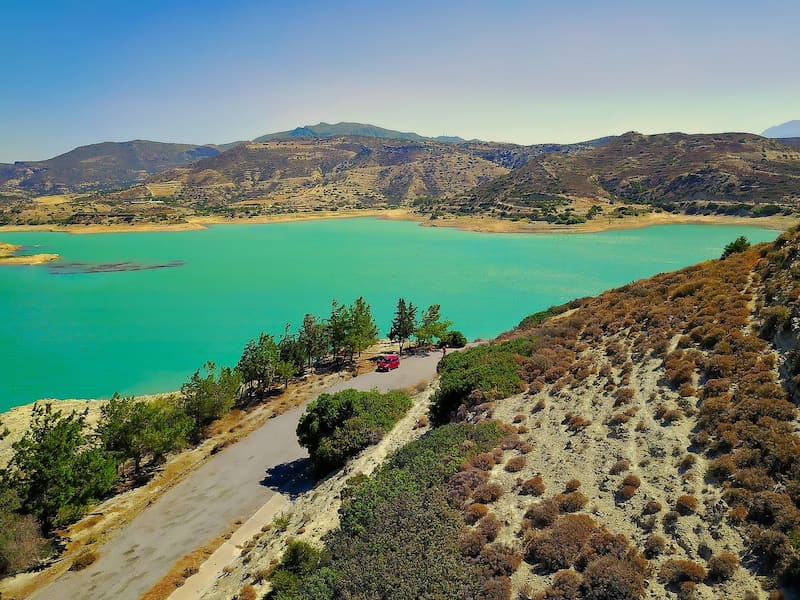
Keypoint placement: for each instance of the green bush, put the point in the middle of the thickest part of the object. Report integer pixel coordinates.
(398, 536)
(740, 244)
(454, 339)
(337, 426)
(490, 370)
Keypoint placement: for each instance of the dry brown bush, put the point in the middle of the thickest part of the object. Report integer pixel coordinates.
(532, 487)
(687, 505)
(475, 512)
(543, 513)
(488, 492)
(620, 466)
(572, 485)
(247, 592)
(516, 464)
(83, 560)
(570, 502)
(652, 507)
(722, 566)
(632, 480)
(654, 545)
(500, 559)
(677, 570)
(559, 547)
(484, 461)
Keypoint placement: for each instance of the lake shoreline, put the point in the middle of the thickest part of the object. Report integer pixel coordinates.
(478, 224)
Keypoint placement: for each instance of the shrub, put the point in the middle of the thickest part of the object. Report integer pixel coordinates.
(484, 461)
(532, 487)
(632, 481)
(620, 466)
(686, 505)
(626, 492)
(722, 566)
(654, 545)
(488, 492)
(247, 592)
(516, 464)
(740, 244)
(83, 560)
(677, 570)
(475, 512)
(571, 502)
(500, 559)
(560, 546)
(454, 339)
(572, 485)
(335, 427)
(652, 507)
(544, 513)
(612, 578)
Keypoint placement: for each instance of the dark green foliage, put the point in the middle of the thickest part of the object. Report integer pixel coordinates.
(299, 562)
(398, 537)
(490, 370)
(454, 339)
(336, 427)
(313, 336)
(207, 398)
(259, 362)
(740, 244)
(403, 323)
(537, 318)
(56, 470)
(351, 329)
(293, 353)
(132, 429)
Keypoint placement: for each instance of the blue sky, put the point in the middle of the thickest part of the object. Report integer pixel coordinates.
(77, 72)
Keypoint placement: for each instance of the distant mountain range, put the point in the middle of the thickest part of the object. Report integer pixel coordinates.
(349, 166)
(324, 130)
(101, 166)
(790, 129)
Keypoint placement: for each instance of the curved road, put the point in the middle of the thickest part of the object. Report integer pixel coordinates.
(231, 485)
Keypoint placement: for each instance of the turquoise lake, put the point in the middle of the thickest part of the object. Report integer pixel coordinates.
(70, 333)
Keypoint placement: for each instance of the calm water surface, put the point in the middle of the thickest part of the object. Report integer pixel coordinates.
(74, 334)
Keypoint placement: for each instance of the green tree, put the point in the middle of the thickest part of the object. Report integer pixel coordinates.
(740, 244)
(362, 330)
(338, 329)
(292, 351)
(403, 323)
(313, 336)
(432, 326)
(258, 362)
(56, 469)
(208, 397)
(134, 429)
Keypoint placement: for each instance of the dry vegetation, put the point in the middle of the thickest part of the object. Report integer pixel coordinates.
(648, 442)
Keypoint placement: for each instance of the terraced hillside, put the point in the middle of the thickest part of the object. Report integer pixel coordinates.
(639, 444)
(730, 173)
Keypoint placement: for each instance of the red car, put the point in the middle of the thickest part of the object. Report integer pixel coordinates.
(389, 362)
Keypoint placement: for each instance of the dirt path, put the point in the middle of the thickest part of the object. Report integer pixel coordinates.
(231, 486)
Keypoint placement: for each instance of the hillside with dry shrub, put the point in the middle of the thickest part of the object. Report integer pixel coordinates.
(726, 173)
(640, 444)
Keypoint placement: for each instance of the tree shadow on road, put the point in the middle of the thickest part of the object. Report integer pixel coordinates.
(291, 478)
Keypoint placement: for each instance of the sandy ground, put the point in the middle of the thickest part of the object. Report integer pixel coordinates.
(480, 224)
(229, 487)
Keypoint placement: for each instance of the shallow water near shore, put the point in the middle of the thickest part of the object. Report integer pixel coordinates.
(139, 312)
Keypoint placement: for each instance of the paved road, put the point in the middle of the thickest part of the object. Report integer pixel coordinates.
(229, 486)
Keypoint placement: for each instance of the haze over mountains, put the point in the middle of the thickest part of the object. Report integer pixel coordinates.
(790, 129)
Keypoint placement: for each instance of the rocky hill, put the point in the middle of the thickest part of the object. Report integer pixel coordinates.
(109, 165)
(729, 173)
(301, 174)
(639, 444)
